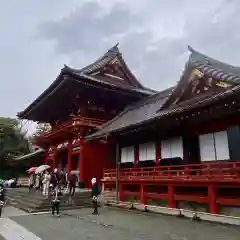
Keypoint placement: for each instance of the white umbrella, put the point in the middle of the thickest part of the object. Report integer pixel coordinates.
(75, 172)
(42, 168)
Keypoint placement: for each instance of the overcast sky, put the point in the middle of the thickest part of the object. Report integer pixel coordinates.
(38, 37)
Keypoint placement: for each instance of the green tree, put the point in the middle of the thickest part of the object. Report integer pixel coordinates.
(13, 140)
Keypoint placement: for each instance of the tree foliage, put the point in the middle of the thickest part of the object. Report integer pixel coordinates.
(13, 140)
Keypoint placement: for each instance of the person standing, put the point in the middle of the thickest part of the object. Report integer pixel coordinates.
(30, 182)
(37, 182)
(53, 180)
(72, 184)
(46, 183)
(2, 198)
(96, 191)
(56, 197)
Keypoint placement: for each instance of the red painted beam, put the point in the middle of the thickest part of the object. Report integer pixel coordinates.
(192, 198)
(156, 195)
(128, 193)
(228, 201)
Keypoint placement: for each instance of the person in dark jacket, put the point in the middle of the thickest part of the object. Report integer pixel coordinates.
(96, 191)
(72, 184)
(54, 178)
(56, 197)
(2, 198)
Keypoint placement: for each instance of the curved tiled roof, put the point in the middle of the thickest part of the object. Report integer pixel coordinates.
(84, 74)
(214, 68)
(136, 113)
(153, 107)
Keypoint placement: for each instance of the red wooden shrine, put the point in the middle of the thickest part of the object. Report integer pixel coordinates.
(75, 105)
(180, 147)
(174, 147)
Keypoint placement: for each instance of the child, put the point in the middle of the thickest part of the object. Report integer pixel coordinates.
(56, 194)
(2, 198)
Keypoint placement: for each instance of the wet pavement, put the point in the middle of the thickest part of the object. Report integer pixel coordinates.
(120, 224)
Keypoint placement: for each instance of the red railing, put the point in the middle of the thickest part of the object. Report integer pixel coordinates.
(75, 122)
(92, 122)
(223, 171)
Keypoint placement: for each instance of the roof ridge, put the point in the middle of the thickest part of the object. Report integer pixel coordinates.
(211, 61)
(110, 54)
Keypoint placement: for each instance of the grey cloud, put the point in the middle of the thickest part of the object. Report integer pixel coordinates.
(87, 27)
(211, 28)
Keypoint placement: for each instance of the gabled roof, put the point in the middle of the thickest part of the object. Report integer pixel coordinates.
(157, 106)
(207, 67)
(96, 74)
(111, 58)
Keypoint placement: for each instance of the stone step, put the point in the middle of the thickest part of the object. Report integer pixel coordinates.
(32, 202)
(35, 208)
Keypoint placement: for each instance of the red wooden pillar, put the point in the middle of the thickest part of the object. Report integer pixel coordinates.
(69, 157)
(142, 196)
(171, 199)
(81, 164)
(136, 156)
(212, 199)
(158, 153)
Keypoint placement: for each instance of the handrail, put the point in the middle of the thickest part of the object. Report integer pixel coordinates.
(206, 171)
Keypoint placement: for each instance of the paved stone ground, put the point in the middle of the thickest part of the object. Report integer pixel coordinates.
(120, 224)
(9, 211)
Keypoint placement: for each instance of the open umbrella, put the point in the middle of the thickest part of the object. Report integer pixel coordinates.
(75, 172)
(31, 170)
(42, 168)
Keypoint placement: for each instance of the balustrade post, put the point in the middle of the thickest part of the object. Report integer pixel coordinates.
(117, 170)
(171, 198)
(142, 194)
(212, 199)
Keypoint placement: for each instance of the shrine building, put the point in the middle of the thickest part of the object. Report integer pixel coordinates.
(172, 147)
(181, 145)
(77, 104)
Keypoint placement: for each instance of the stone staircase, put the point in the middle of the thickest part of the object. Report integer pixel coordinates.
(36, 202)
(109, 196)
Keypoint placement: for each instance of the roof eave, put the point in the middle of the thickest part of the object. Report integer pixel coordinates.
(24, 114)
(203, 103)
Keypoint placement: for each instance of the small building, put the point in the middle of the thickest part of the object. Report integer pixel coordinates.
(181, 145)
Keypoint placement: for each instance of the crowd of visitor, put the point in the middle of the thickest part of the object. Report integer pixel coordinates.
(52, 184)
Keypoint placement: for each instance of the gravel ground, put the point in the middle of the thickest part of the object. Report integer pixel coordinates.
(119, 225)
